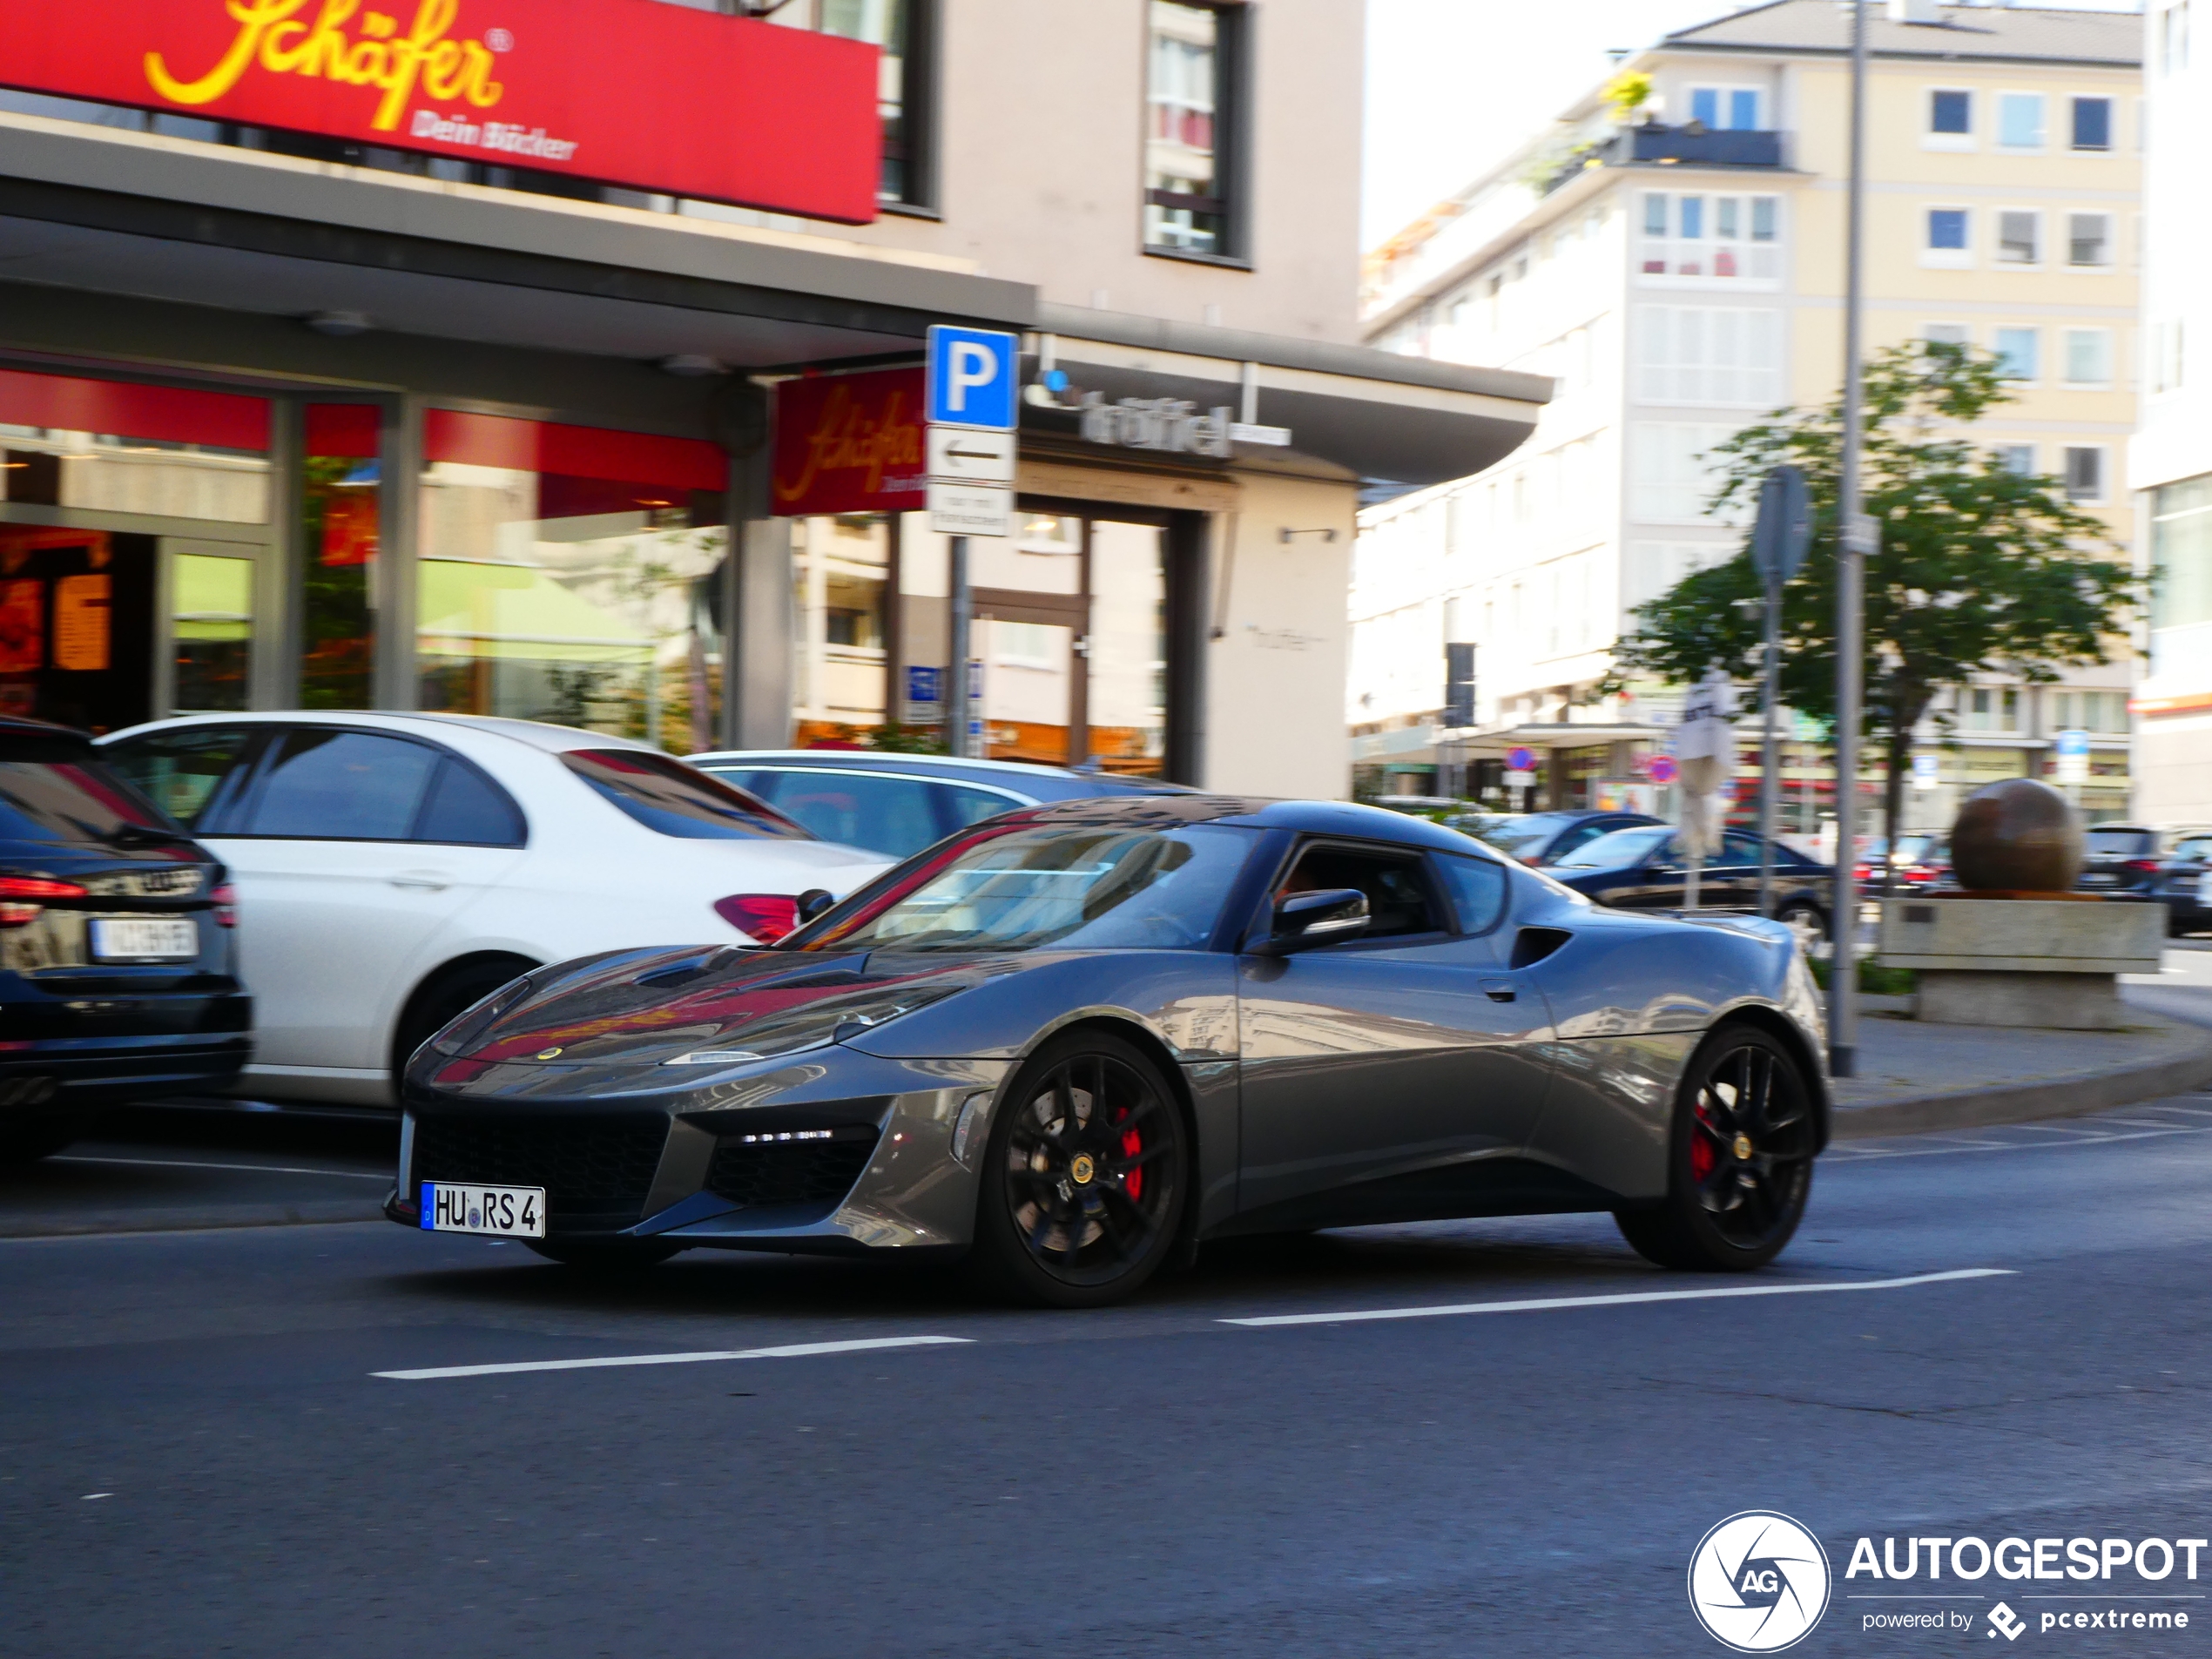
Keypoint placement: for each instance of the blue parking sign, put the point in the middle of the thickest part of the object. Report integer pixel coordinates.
(972, 377)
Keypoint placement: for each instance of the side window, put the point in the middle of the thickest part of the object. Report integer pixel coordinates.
(1400, 898)
(754, 781)
(1478, 889)
(180, 771)
(1581, 835)
(467, 809)
(671, 799)
(887, 815)
(964, 805)
(1739, 848)
(326, 784)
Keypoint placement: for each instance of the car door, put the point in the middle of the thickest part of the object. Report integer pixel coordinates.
(1411, 1049)
(352, 850)
(1731, 880)
(1657, 883)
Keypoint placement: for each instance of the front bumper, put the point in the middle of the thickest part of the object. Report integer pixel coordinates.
(832, 1151)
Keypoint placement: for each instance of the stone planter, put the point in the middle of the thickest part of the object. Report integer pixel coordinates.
(2051, 963)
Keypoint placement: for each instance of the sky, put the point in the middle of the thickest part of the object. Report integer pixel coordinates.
(1454, 85)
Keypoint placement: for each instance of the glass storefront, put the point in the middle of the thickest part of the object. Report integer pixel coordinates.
(569, 575)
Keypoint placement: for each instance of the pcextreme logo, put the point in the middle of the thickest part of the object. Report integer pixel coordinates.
(1758, 1581)
(273, 37)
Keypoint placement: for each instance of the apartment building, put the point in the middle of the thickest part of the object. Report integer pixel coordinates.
(523, 369)
(2170, 461)
(1676, 270)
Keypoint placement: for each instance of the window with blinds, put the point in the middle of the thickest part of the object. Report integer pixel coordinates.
(1709, 354)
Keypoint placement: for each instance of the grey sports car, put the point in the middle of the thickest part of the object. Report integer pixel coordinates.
(1075, 1042)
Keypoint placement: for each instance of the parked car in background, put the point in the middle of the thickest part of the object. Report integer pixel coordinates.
(1643, 868)
(394, 868)
(116, 974)
(1541, 839)
(2123, 861)
(898, 804)
(1921, 862)
(2185, 882)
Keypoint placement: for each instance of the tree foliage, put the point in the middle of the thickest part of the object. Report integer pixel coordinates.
(1981, 569)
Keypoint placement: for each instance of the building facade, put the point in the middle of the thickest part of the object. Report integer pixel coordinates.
(1678, 272)
(2170, 461)
(294, 417)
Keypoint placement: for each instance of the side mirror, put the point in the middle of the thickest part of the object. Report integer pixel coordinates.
(812, 902)
(1305, 920)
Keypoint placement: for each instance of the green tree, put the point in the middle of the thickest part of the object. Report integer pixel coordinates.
(1980, 569)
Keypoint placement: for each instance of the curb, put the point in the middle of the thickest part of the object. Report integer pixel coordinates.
(197, 1218)
(2066, 1095)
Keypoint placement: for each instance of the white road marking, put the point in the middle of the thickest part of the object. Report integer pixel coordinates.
(251, 1169)
(1541, 1303)
(792, 1351)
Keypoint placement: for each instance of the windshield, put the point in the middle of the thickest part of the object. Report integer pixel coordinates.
(1618, 850)
(1082, 887)
(1524, 833)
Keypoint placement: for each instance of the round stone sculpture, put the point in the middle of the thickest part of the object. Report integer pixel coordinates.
(2017, 836)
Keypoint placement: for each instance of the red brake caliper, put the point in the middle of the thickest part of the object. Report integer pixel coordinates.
(1701, 1150)
(1132, 1144)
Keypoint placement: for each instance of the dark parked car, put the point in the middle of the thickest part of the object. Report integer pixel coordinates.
(2123, 861)
(898, 804)
(1543, 839)
(2183, 884)
(1644, 869)
(1076, 1042)
(117, 977)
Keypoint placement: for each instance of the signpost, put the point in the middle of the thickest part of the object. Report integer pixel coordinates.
(1705, 752)
(2072, 750)
(1520, 771)
(971, 390)
(1778, 543)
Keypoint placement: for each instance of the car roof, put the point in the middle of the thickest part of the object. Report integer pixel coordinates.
(554, 739)
(1251, 812)
(1051, 782)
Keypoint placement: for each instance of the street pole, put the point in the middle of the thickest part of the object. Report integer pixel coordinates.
(1852, 539)
(958, 714)
(1768, 789)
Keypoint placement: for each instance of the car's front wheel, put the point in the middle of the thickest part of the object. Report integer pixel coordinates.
(1739, 1159)
(1085, 1175)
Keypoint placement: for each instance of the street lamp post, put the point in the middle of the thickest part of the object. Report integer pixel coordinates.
(1855, 539)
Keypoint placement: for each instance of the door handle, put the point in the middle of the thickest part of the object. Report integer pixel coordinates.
(434, 880)
(1500, 990)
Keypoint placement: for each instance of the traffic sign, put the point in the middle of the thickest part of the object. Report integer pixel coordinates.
(1784, 526)
(1521, 760)
(972, 377)
(963, 455)
(2072, 749)
(970, 509)
(1662, 769)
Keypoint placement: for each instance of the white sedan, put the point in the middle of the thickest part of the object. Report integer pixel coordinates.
(393, 869)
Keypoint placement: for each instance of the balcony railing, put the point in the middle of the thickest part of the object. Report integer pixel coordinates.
(1689, 144)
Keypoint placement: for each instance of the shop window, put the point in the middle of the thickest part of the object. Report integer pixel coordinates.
(1193, 70)
(211, 630)
(117, 447)
(841, 569)
(340, 499)
(571, 575)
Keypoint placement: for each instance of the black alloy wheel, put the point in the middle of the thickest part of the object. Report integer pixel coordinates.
(604, 1255)
(1085, 1176)
(1739, 1159)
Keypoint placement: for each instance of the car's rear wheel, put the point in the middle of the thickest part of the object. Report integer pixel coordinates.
(1739, 1159)
(604, 1255)
(1085, 1175)
(446, 995)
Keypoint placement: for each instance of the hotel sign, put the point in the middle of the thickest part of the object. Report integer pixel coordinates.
(633, 93)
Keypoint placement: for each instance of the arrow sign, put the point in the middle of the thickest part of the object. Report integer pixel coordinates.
(964, 456)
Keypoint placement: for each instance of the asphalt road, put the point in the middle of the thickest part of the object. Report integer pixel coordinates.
(197, 1456)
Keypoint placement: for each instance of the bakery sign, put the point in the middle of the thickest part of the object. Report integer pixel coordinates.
(850, 443)
(633, 93)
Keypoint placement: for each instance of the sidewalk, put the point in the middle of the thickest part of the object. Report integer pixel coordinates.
(1914, 1077)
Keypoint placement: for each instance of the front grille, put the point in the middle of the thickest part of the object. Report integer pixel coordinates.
(791, 1169)
(594, 1169)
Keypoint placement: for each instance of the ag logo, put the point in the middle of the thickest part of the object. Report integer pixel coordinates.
(1758, 1581)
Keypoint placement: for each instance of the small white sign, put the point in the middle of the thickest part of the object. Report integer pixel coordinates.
(1520, 780)
(970, 509)
(2072, 751)
(960, 455)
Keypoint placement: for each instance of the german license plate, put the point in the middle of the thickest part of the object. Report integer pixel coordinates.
(503, 1212)
(2098, 880)
(160, 939)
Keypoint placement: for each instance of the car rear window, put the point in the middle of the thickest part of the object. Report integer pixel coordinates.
(671, 799)
(56, 789)
(2118, 843)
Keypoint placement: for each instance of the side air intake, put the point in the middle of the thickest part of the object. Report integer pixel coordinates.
(1532, 945)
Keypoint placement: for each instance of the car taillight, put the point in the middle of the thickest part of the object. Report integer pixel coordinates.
(15, 892)
(766, 916)
(2143, 867)
(226, 901)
